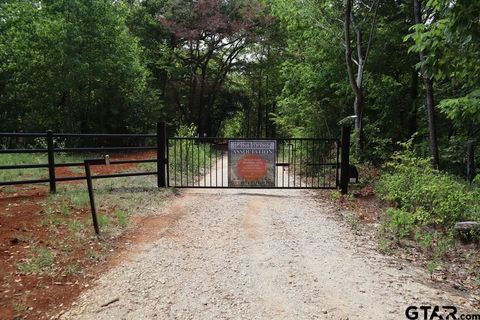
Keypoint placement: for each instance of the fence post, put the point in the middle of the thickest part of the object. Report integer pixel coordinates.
(345, 161)
(51, 162)
(161, 154)
(471, 161)
(91, 196)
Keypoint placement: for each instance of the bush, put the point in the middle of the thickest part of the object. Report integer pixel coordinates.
(430, 197)
(402, 223)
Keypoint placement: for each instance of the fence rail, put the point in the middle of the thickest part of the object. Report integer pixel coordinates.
(51, 151)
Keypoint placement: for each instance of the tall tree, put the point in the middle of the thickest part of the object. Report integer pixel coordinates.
(429, 98)
(356, 75)
(209, 37)
(70, 65)
(451, 40)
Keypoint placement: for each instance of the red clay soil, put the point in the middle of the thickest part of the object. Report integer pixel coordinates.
(37, 297)
(32, 296)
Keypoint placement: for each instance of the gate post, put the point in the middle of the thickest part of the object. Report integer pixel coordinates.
(161, 154)
(345, 161)
(51, 162)
(471, 161)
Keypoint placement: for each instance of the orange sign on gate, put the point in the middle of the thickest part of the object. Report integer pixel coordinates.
(252, 167)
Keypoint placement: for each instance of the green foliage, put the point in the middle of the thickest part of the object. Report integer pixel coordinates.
(63, 62)
(233, 126)
(65, 209)
(73, 268)
(451, 42)
(22, 174)
(103, 220)
(402, 223)
(432, 266)
(189, 156)
(40, 262)
(464, 111)
(426, 196)
(80, 198)
(187, 131)
(122, 218)
(75, 225)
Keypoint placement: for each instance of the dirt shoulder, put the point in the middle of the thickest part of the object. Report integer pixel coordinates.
(49, 253)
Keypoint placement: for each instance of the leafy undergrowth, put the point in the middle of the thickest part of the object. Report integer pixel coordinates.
(411, 211)
(48, 249)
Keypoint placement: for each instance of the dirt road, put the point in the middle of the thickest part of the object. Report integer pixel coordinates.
(254, 254)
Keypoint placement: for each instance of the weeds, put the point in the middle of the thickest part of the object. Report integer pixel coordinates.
(354, 223)
(64, 209)
(103, 220)
(75, 226)
(427, 204)
(122, 219)
(335, 195)
(19, 307)
(93, 255)
(432, 266)
(80, 198)
(427, 196)
(72, 269)
(35, 173)
(41, 262)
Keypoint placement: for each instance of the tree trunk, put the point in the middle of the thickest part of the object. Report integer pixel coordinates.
(355, 82)
(358, 108)
(412, 115)
(431, 113)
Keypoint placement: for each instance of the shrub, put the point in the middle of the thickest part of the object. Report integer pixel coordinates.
(402, 223)
(429, 196)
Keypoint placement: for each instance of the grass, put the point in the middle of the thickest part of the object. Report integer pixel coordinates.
(36, 173)
(93, 255)
(432, 266)
(80, 199)
(63, 244)
(103, 220)
(72, 268)
(18, 159)
(40, 262)
(19, 307)
(122, 219)
(75, 226)
(65, 209)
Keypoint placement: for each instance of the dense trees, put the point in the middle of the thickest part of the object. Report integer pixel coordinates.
(69, 65)
(238, 67)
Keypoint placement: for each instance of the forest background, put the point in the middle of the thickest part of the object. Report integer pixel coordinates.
(256, 68)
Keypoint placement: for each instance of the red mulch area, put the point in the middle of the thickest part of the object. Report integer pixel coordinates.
(22, 227)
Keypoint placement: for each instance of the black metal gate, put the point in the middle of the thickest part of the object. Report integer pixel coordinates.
(204, 162)
(300, 163)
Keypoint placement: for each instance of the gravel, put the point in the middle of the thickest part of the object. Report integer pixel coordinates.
(254, 254)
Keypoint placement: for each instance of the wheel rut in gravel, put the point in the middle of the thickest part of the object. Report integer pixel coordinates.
(253, 254)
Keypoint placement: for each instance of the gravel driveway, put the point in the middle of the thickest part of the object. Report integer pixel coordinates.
(253, 254)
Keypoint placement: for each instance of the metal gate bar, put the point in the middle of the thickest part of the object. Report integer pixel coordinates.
(300, 163)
